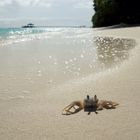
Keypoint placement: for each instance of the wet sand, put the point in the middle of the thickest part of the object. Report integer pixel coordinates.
(36, 115)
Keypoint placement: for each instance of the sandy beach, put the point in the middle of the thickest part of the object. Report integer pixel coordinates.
(35, 114)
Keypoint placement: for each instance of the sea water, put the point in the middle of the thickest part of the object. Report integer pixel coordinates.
(33, 59)
(14, 35)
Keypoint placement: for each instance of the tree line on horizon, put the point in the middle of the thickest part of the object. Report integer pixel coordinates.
(111, 12)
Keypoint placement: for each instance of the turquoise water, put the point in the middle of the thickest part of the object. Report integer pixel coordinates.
(6, 32)
(14, 35)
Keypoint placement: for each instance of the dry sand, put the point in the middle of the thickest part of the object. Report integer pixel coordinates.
(38, 117)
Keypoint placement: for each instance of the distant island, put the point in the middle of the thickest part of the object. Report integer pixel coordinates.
(111, 12)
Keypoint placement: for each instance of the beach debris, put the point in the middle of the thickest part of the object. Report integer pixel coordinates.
(89, 105)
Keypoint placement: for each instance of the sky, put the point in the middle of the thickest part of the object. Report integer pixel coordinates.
(46, 12)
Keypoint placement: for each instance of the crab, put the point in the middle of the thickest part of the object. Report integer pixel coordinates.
(89, 105)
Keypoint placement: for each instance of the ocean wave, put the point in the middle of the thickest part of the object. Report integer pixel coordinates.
(16, 35)
(9, 36)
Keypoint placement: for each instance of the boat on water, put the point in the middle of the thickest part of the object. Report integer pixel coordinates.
(29, 25)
